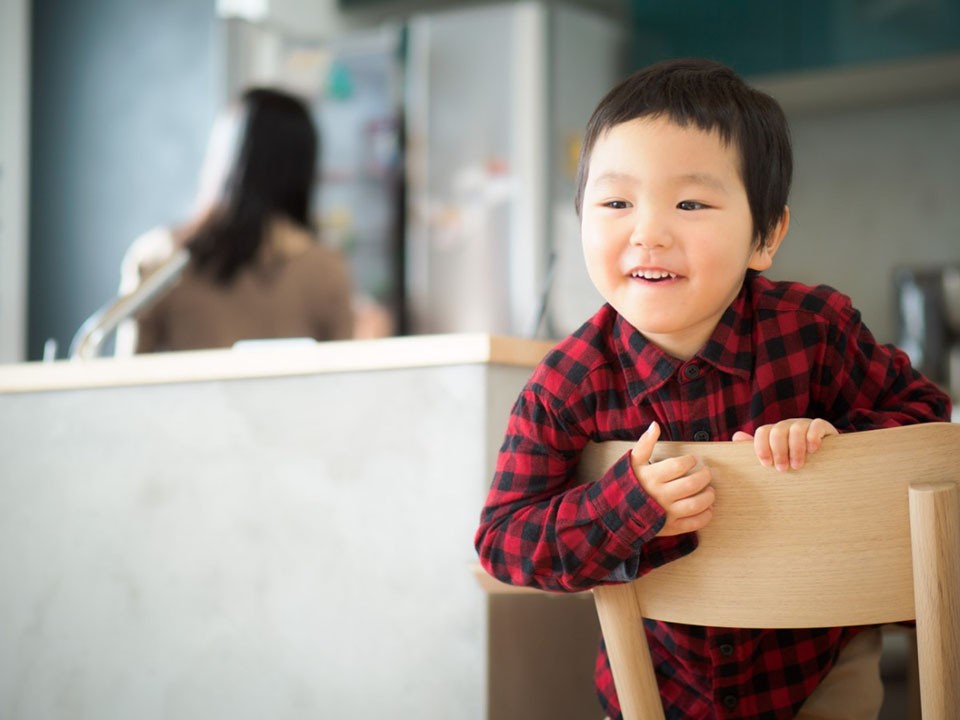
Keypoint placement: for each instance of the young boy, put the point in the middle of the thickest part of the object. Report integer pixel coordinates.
(683, 184)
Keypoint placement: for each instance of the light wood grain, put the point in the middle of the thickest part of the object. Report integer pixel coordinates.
(844, 541)
(629, 653)
(785, 548)
(492, 586)
(934, 513)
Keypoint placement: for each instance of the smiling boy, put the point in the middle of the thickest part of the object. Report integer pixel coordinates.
(683, 184)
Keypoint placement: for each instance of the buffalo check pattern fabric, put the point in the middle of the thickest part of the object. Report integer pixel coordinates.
(781, 350)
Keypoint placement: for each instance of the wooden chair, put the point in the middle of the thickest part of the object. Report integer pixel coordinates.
(868, 532)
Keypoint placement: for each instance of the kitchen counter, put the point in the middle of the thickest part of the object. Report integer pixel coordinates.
(273, 358)
(281, 531)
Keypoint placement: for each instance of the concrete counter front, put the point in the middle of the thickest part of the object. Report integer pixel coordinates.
(278, 532)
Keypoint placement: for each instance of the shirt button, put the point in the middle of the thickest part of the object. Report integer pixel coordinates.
(691, 371)
(726, 649)
(701, 436)
(730, 701)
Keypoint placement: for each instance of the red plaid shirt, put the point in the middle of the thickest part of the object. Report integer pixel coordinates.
(781, 350)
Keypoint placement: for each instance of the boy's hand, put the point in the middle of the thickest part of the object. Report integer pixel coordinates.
(787, 443)
(678, 485)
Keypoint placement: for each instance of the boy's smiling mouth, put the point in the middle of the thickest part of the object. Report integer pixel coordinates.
(653, 275)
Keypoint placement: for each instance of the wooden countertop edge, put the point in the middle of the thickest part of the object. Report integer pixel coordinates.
(274, 359)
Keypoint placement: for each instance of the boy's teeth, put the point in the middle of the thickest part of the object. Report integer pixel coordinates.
(653, 275)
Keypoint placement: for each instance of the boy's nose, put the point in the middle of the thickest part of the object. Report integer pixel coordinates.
(649, 231)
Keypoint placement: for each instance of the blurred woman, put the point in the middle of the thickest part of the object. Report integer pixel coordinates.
(256, 269)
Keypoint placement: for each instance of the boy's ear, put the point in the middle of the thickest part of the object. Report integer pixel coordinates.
(762, 257)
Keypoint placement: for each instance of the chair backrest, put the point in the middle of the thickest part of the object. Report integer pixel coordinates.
(868, 532)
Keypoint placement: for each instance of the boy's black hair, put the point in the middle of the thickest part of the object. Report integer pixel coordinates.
(712, 97)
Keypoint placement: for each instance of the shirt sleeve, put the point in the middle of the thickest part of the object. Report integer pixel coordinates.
(868, 385)
(539, 528)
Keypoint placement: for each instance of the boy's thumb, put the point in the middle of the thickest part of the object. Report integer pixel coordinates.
(645, 444)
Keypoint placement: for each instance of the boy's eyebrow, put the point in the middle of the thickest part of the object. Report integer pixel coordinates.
(704, 179)
(616, 176)
(694, 178)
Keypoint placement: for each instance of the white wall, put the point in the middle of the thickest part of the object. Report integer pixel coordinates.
(14, 142)
(873, 188)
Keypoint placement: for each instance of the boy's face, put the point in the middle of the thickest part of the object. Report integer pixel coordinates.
(666, 229)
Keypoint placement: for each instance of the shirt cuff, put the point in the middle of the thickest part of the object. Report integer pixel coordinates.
(624, 508)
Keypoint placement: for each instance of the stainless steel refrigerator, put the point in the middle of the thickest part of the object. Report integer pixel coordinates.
(497, 97)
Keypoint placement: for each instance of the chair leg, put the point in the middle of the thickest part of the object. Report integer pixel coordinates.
(935, 535)
(626, 641)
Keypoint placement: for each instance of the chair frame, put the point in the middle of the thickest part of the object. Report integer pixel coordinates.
(867, 532)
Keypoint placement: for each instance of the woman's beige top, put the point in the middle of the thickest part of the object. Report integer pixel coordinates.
(296, 287)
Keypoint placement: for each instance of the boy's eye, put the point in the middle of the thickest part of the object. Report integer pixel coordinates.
(690, 205)
(616, 204)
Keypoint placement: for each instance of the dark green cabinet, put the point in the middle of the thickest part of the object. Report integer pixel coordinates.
(760, 37)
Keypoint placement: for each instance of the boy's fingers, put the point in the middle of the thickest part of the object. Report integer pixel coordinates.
(818, 430)
(798, 445)
(780, 447)
(690, 523)
(740, 436)
(672, 470)
(676, 489)
(761, 444)
(643, 448)
(691, 507)
(786, 444)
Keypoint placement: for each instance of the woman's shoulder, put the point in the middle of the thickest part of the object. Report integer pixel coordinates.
(297, 258)
(320, 261)
(147, 252)
(289, 243)
(288, 239)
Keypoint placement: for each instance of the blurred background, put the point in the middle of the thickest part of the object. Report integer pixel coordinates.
(450, 134)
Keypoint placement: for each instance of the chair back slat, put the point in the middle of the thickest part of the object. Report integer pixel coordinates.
(827, 545)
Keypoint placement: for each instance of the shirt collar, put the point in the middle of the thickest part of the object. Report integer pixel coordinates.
(729, 349)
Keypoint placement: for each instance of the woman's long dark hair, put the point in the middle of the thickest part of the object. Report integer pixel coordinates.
(271, 174)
